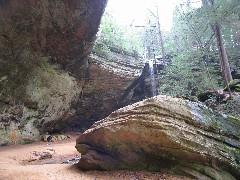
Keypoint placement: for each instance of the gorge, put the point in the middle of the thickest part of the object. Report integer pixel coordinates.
(52, 81)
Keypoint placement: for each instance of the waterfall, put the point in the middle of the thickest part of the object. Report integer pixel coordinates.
(151, 72)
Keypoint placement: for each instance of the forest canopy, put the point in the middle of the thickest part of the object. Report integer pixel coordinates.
(203, 39)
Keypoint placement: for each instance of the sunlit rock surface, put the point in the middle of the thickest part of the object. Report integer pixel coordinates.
(164, 134)
(119, 64)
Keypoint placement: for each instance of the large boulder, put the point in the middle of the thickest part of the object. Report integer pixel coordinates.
(164, 134)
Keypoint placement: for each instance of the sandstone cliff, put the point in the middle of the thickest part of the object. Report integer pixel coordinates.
(106, 80)
(48, 82)
(44, 46)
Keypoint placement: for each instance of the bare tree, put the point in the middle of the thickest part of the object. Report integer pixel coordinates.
(159, 33)
(160, 38)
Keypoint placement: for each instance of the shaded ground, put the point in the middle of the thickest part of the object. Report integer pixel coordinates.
(19, 162)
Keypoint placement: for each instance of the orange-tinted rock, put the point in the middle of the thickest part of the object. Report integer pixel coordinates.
(164, 134)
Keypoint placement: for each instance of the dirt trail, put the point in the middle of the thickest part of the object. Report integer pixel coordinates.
(19, 163)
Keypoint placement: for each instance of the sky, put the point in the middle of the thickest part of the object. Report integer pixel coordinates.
(128, 11)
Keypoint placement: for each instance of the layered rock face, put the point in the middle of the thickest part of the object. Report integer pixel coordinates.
(47, 81)
(105, 82)
(109, 74)
(44, 46)
(113, 81)
(164, 134)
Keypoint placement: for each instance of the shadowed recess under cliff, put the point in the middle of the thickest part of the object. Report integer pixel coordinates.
(44, 46)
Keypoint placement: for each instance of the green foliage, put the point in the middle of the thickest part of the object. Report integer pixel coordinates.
(112, 36)
(192, 27)
(192, 41)
(187, 75)
(231, 108)
(101, 48)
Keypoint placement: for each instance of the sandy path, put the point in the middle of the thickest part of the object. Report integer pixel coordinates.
(19, 163)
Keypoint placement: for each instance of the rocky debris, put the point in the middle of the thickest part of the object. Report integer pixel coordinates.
(68, 136)
(43, 155)
(59, 137)
(220, 101)
(217, 97)
(44, 137)
(231, 107)
(73, 160)
(164, 134)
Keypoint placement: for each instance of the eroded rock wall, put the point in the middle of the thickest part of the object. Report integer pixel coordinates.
(44, 46)
(47, 80)
(106, 80)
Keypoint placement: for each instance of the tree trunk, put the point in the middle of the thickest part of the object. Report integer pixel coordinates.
(160, 38)
(225, 68)
(223, 54)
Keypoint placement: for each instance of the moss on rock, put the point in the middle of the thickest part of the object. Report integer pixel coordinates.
(164, 133)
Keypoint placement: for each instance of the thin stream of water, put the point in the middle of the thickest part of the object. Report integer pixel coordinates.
(154, 90)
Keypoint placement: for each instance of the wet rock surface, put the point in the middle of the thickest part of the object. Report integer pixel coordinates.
(164, 134)
(141, 88)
